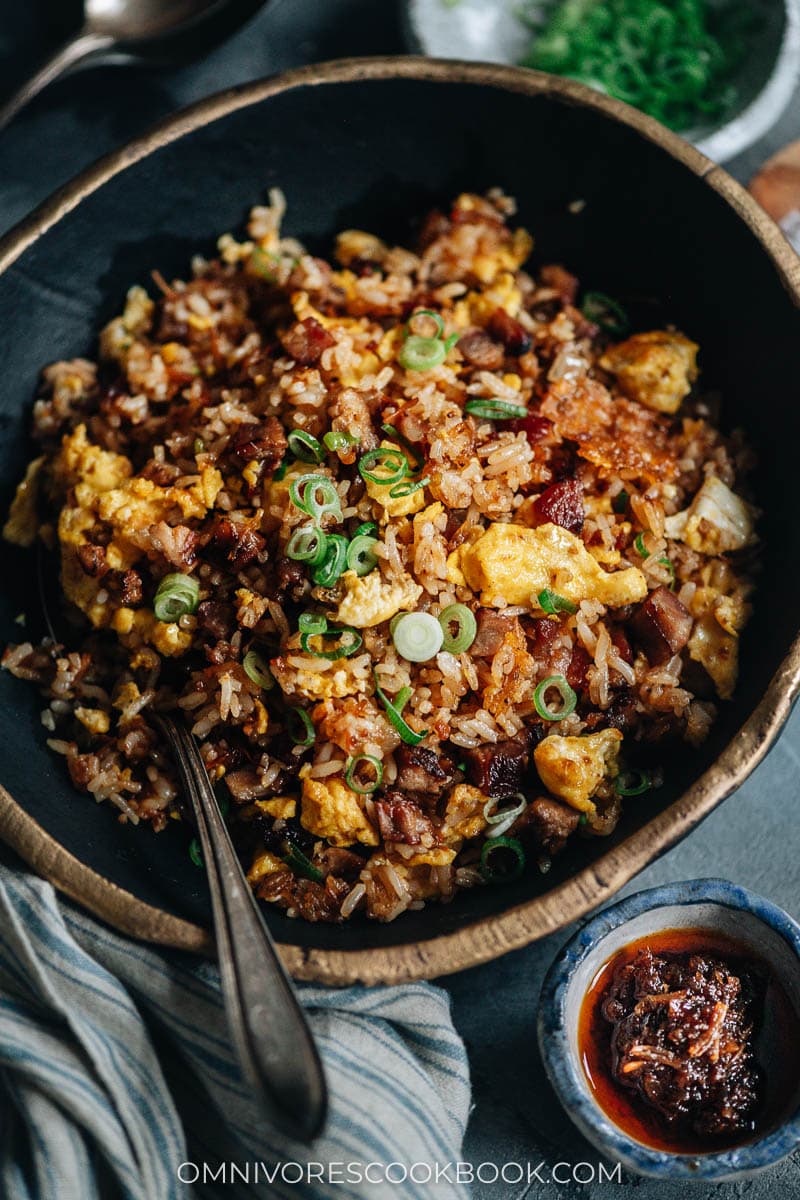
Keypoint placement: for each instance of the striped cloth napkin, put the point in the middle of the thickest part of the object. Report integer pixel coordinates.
(119, 1078)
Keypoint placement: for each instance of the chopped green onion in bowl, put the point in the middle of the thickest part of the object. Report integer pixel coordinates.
(500, 821)
(384, 465)
(604, 311)
(300, 727)
(502, 860)
(361, 556)
(459, 628)
(495, 410)
(309, 622)
(326, 573)
(551, 603)
(305, 446)
(315, 495)
(567, 696)
(256, 668)
(418, 636)
(348, 642)
(394, 711)
(177, 596)
(297, 861)
(336, 439)
(307, 544)
(407, 487)
(354, 774)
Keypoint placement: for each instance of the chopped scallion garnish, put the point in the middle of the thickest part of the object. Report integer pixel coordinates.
(567, 695)
(309, 622)
(315, 495)
(459, 627)
(352, 774)
(255, 668)
(495, 410)
(361, 556)
(349, 641)
(502, 860)
(294, 858)
(332, 565)
(305, 446)
(502, 819)
(633, 782)
(337, 439)
(418, 636)
(394, 710)
(552, 603)
(605, 312)
(308, 544)
(176, 596)
(384, 465)
(408, 487)
(300, 727)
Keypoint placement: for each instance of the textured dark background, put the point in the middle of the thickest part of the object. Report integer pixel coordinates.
(753, 838)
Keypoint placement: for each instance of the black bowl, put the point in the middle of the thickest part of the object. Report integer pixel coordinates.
(373, 145)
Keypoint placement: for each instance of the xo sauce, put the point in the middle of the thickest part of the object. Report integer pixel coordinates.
(689, 1043)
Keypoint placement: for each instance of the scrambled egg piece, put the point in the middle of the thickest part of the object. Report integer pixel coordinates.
(283, 807)
(93, 719)
(657, 368)
(716, 650)
(715, 522)
(573, 768)
(22, 524)
(395, 506)
(263, 864)
(355, 243)
(517, 563)
(137, 625)
(436, 856)
(332, 810)
(463, 817)
(370, 599)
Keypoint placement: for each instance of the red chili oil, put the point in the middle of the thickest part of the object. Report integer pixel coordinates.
(775, 1042)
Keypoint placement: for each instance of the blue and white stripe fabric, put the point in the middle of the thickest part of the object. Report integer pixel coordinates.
(119, 1080)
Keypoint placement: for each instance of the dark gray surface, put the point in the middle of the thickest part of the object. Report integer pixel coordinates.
(752, 839)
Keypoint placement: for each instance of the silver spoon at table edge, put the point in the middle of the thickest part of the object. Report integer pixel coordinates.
(149, 32)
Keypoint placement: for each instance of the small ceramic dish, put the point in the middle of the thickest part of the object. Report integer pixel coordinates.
(752, 922)
(491, 31)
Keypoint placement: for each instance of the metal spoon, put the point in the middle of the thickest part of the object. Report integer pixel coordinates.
(136, 31)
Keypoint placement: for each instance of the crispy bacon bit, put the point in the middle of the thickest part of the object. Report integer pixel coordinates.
(578, 667)
(263, 441)
(420, 770)
(498, 770)
(542, 632)
(507, 330)
(401, 820)
(662, 626)
(562, 504)
(306, 340)
(480, 350)
(291, 578)
(561, 281)
(238, 544)
(92, 559)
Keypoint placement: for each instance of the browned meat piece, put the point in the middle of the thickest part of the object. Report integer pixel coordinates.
(93, 560)
(320, 901)
(306, 340)
(493, 627)
(480, 350)
(578, 667)
(561, 281)
(550, 822)
(622, 645)
(177, 543)
(291, 578)
(237, 543)
(245, 785)
(420, 770)
(620, 714)
(542, 633)
(562, 504)
(535, 428)
(335, 860)
(216, 618)
(82, 768)
(161, 473)
(434, 226)
(263, 441)
(126, 586)
(661, 626)
(498, 770)
(507, 330)
(401, 820)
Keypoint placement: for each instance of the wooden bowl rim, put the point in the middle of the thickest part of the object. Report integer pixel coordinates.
(490, 936)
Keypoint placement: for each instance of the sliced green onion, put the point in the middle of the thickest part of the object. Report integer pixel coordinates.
(502, 819)
(309, 622)
(354, 783)
(199, 445)
(176, 596)
(394, 621)
(409, 447)
(669, 564)
(500, 848)
(466, 627)
(305, 446)
(281, 471)
(640, 546)
(255, 668)
(366, 529)
(418, 636)
(422, 354)
(552, 603)
(607, 313)
(263, 263)
(315, 495)
(337, 439)
(394, 710)
(195, 853)
(332, 565)
(633, 782)
(300, 727)
(568, 698)
(620, 501)
(495, 410)
(408, 487)
(301, 865)
(384, 465)
(433, 316)
(361, 556)
(308, 544)
(350, 640)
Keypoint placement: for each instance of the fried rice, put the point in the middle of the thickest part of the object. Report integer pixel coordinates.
(435, 560)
